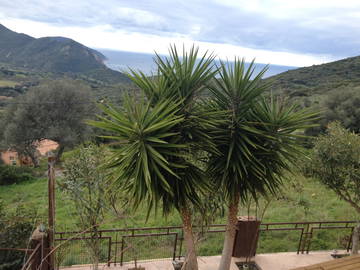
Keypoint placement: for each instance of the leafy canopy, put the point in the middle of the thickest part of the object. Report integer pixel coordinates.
(258, 139)
(336, 162)
(163, 137)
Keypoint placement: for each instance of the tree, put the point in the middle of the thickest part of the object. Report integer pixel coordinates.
(85, 183)
(19, 133)
(16, 228)
(344, 106)
(54, 110)
(254, 145)
(162, 139)
(336, 162)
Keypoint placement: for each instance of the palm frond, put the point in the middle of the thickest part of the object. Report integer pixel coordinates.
(259, 139)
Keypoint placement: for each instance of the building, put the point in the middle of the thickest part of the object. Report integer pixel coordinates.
(11, 157)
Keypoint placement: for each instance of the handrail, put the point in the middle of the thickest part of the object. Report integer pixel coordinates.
(305, 230)
(210, 226)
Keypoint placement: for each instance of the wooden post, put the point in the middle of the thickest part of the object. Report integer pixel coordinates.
(51, 194)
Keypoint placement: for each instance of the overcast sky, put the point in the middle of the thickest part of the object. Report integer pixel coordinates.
(284, 32)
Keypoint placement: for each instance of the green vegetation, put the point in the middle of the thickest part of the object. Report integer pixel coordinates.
(14, 175)
(345, 108)
(168, 137)
(329, 88)
(85, 184)
(26, 61)
(7, 83)
(315, 82)
(15, 228)
(336, 162)
(163, 140)
(53, 54)
(255, 145)
(55, 110)
(302, 199)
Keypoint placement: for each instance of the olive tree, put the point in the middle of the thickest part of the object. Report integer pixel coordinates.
(343, 106)
(85, 184)
(54, 110)
(336, 162)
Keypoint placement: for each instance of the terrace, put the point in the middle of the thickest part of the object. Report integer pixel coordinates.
(156, 248)
(270, 261)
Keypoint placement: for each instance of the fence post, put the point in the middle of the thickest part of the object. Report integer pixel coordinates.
(175, 244)
(40, 257)
(51, 195)
(122, 251)
(109, 252)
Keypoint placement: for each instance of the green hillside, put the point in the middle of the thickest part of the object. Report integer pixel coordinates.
(58, 55)
(303, 199)
(16, 81)
(311, 85)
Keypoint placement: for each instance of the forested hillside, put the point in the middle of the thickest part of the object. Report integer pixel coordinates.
(57, 55)
(316, 82)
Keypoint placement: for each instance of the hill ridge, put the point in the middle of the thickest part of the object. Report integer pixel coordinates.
(55, 54)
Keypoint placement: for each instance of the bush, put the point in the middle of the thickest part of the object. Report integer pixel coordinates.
(15, 231)
(14, 175)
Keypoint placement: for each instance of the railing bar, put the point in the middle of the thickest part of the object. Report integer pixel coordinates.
(175, 244)
(109, 252)
(82, 238)
(115, 254)
(281, 229)
(300, 240)
(149, 234)
(213, 225)
(122, 251)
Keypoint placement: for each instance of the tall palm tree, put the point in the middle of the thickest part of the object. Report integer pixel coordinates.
(163, 137)
(256, 143)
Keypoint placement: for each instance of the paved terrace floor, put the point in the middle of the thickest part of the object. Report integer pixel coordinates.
(269, 261)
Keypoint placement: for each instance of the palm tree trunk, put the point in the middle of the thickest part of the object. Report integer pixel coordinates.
(229, 234)
(190, 259)
(355, 240)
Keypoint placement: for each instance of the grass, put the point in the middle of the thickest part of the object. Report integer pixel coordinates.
(7, 83)
(302, 199)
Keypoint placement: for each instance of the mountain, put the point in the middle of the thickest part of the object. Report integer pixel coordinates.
(54, 54)
(312, 85)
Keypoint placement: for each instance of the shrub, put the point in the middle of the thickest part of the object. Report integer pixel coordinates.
(15, 232)
(14, 175)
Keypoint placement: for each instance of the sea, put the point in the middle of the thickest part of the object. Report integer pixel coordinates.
(124, 61)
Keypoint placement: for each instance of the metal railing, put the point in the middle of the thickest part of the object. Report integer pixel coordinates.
(307, 230)
(147, 243)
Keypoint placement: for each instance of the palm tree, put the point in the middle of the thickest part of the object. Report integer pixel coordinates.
(163, 138)
(256, 143)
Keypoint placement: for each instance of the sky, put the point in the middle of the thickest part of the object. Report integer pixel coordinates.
(281, 32)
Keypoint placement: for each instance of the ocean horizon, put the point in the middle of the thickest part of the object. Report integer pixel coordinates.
(124, 61)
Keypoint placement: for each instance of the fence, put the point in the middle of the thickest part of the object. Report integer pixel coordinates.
(116, 246)
(37, 258)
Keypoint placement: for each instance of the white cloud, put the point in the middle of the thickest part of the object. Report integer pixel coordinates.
(291, 8)
(106, 37)
(140, 17)
(275, 31)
